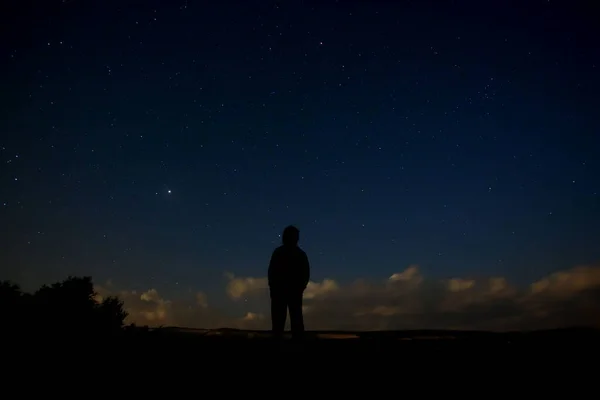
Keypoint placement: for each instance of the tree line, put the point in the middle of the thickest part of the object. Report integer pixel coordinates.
(70, 307)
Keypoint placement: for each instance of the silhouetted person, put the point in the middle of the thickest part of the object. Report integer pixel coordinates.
(289, 273)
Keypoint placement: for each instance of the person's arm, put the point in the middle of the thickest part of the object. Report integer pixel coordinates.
(305, 271)
(271, 268)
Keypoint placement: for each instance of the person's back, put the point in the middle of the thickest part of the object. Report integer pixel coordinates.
(288, 268)
(289, 274)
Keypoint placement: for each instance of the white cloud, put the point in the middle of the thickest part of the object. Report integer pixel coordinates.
(150, 308)
(238, 288)
(405, 300)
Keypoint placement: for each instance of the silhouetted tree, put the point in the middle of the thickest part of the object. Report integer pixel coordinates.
(9, 291)
(11, 304)
(111, 314)
(67, 308)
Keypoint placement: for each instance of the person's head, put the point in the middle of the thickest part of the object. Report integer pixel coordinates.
(290, 236)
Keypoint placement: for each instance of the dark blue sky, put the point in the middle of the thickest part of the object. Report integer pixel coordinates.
(163, 143)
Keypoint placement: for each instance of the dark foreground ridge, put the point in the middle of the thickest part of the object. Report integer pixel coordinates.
(372, 341)
(408, 335)
(241, 355)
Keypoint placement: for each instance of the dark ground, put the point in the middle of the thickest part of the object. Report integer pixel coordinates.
(225, 358)
(380, 342)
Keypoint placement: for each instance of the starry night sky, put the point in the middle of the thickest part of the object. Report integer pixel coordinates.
(163, 144)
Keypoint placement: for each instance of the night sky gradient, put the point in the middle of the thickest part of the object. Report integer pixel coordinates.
(165, 145)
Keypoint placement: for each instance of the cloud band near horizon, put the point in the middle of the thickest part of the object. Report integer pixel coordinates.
(405, 300)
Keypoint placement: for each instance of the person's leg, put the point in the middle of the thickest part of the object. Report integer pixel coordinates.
(278, 313)
(296, 317)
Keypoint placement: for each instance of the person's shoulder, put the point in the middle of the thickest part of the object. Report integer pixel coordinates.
(302, 252)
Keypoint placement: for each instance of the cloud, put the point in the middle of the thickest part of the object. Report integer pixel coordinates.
(238, 288)
(150, 308)
(405, 300)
